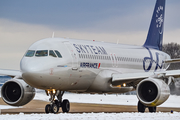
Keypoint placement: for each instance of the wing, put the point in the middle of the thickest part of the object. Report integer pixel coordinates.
(173, 73)
(119, 79)
(11, 73)
(135, 78)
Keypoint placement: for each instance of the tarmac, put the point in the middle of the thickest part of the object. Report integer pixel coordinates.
(38, 106)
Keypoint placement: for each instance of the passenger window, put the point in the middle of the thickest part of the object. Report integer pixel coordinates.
(51, 53)
(41, 53)
(58, 54)
(30, 53)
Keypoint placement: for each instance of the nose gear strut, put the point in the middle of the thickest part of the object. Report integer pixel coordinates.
(55, 104)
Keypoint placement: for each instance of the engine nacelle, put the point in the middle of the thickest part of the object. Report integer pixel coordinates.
(16, 92)
(152, 92)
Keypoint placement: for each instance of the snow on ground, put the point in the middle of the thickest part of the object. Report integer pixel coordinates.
(7, 107)
(94, 116)
(173, 100)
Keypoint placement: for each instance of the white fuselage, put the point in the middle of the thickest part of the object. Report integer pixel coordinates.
(82, 61)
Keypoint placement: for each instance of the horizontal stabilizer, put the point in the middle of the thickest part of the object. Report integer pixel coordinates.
(172, 60)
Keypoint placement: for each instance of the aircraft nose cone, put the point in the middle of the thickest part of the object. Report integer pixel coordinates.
(32, 71)
(29, 68)
(30, 65)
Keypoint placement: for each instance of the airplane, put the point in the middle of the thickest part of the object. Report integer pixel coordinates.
(57, 65)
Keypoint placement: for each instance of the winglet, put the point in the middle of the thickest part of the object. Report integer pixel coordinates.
(53, 35)
(155, 34)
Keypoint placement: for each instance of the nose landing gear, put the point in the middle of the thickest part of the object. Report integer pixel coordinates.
(55, 104)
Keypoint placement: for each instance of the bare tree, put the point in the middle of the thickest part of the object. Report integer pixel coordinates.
(173, 49)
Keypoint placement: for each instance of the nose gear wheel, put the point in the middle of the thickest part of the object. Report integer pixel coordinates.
(55, 104)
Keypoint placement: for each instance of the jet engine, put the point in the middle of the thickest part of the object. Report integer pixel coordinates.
(16, 92)
(152, 92)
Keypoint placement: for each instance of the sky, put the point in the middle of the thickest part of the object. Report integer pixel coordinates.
(23, 22)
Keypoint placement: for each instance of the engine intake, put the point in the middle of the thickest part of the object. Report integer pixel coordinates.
(16, 92)
(152, 92)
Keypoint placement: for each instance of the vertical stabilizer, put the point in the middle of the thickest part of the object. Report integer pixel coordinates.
(155, 34)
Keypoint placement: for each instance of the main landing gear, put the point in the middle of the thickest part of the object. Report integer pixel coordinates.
(55, 104)
(142, 108)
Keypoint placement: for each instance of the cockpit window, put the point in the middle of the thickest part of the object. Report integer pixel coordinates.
(41, 53)
(51, 53)
(58, 54)
(30, 53)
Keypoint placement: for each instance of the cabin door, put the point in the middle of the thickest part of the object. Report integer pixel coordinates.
(73, 55)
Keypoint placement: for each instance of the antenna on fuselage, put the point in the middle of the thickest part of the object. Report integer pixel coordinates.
(117, 41)
(53, 35)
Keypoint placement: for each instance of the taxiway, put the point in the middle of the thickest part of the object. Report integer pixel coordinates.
(38, 106)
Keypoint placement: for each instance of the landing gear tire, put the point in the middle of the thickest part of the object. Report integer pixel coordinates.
(54, 108)
(141, 107)
(54, 105)
(48, 108)
(57, 103)
(152, 109)
(65, 105)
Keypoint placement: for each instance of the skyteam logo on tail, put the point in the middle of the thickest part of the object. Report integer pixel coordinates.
(155, 35)
(159, 19)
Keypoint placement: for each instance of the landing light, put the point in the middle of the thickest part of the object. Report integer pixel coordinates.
(124, 84)
(118, 86)
(54, 91)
